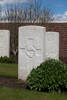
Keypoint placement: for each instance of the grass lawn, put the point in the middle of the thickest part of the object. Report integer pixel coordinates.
(10, 70)
(22, 94)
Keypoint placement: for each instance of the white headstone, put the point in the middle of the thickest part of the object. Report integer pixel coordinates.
(35, 46)
(4, 43)
(52, 45)
(31, 49)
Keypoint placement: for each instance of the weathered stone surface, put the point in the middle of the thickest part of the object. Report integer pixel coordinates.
(31, 49)
(35, 46)
(52, 45)
(4, 43)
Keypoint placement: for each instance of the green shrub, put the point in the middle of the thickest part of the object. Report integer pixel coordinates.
(51, 75)
(7, 60)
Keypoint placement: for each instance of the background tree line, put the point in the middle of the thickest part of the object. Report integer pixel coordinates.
(34, 11)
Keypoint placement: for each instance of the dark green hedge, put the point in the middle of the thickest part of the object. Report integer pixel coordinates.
(51, 75)
(7, 60)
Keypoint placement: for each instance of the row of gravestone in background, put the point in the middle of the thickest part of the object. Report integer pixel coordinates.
(35, 46)
(57, 27)
(4, 43)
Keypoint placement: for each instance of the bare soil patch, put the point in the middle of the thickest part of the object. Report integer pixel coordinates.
(12, 82)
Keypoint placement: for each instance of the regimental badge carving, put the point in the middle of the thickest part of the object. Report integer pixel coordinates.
(30, 51)
(32, 47)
